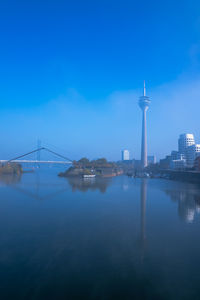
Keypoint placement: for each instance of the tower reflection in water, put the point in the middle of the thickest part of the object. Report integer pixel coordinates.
(143, 197)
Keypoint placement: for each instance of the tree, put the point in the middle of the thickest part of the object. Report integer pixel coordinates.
(101, 161)
(84, 161)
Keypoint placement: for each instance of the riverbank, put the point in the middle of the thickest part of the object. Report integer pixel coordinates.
(187, 176)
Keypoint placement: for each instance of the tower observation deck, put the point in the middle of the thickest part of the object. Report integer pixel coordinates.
(144, 103)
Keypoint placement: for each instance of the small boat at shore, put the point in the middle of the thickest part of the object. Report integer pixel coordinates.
(89, 176)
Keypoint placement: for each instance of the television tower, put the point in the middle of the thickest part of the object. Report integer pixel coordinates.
(144, 103)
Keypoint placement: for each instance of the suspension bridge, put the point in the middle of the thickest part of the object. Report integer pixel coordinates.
(20, 158)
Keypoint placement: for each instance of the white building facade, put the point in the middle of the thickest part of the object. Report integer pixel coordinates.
(125, 155)
(187, 152)
(178, 164)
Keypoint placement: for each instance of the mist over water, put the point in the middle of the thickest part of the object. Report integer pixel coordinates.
(100, 239)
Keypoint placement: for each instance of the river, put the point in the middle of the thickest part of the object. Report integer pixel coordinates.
(115, 238)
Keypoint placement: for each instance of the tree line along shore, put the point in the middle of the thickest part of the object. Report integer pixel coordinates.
(99, 167)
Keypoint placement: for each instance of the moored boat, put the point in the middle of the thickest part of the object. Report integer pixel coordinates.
(89, 176)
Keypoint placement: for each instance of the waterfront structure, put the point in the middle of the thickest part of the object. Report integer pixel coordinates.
(165, 162)
(187, 152)
(125, 155)
(178, 164)
(177, 160)
(174, 155)
(137, 164)
(197, 164)
(192, 152)
(144, 103)
(151, 159)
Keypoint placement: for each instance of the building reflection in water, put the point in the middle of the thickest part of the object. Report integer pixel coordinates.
(85, 184)
(188, 202)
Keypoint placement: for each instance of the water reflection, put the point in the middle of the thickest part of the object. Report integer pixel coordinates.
(8, 179)
(37, 185)
(33, 189)
(93, 184)
(143, 197)
(188, 202)
(94, 245)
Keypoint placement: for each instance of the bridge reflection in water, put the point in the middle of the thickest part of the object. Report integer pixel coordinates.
(76, 184)
(34, 188)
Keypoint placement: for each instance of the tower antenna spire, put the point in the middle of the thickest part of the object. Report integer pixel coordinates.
(144, 89)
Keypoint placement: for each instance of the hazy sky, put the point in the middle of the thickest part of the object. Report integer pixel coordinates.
(71, 73)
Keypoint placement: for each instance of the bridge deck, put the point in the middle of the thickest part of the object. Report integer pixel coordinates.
(38, 161)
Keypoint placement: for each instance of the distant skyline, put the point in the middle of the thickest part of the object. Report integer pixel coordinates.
(72, 71)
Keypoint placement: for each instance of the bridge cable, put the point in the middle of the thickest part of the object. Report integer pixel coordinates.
(25, 154)
(39, 149)
(66, 158)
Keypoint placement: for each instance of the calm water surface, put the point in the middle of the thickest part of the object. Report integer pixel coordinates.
(119, 238)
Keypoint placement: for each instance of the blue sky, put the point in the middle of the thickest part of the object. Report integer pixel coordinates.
(71, 73)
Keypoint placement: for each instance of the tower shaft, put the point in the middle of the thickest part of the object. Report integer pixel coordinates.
(144, 103)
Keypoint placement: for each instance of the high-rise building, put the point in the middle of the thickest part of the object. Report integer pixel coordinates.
(144, 103)
(185, 140)
(187, 152)
(125, 155)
